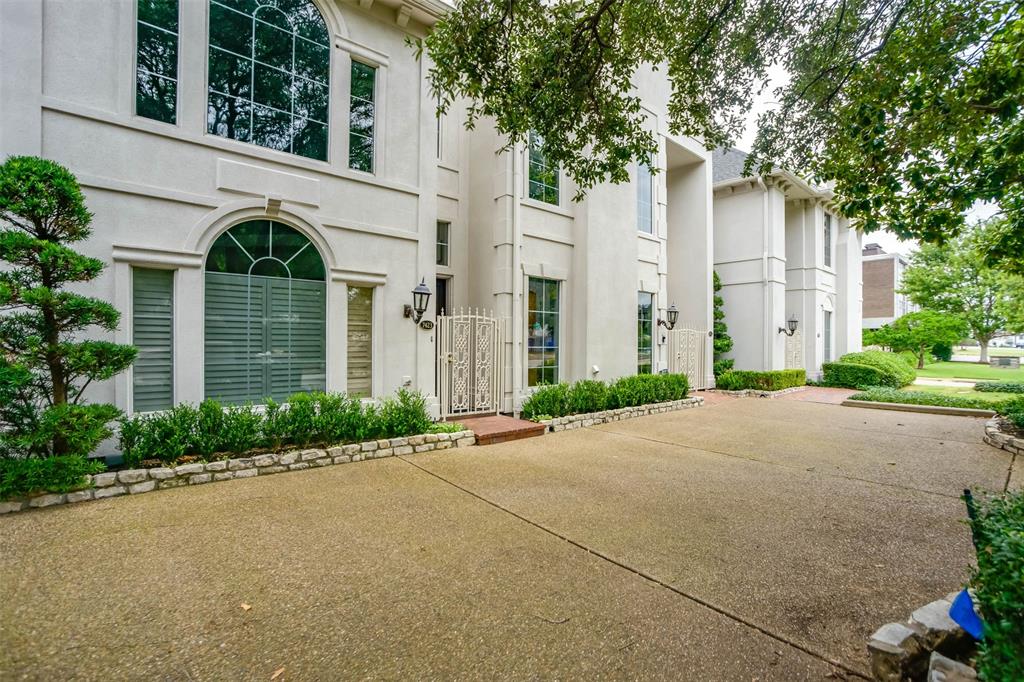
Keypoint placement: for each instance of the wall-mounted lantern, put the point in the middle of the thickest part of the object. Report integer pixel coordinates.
(420, 300)
(790, 327)
(673, 316)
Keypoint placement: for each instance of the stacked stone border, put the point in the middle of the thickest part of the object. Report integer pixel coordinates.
(998, 438)
(578, 421)
(136, 481)
(758, 393)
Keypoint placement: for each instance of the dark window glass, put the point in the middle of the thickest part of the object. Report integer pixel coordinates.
(361, 117)
(269, 69)
(443, 230)
(828, 240)
(543, 177)
(156, 60)
(542, 332)
(644, 333)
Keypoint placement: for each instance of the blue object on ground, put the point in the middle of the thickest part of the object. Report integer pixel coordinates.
(963, 614)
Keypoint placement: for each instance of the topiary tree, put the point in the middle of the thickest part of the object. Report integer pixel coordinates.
(45, 363)
(723, 342)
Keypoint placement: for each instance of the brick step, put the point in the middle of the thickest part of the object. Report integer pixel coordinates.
(500, 429)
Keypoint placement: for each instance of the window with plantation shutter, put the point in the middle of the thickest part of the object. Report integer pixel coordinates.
(360, 342)
(153, 335)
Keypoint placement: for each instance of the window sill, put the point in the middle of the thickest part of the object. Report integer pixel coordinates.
(649, 237)
(550, 208)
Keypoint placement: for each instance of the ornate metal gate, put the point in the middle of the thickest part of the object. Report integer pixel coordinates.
(470, 362)
(688, 354)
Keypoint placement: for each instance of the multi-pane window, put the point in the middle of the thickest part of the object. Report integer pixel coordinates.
(828, 240)
(542, 332)
(153, 335)
(156, 60)
(360, 342)
(644, 332)
(269, 75)
(644, 199)
(362, 111)
(543, 175)
(443, 234)
(827, 336)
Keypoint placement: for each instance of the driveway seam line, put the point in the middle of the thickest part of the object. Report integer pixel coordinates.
(778, 464)
(646, 576)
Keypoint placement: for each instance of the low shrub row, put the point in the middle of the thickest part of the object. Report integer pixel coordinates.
(210, 431)
(589, 395)
(1013, 410)
(851, 375)
(20, 477)
(775, 380)
(1000, 386)
(895, 372)
(998, 584)
(883, 394)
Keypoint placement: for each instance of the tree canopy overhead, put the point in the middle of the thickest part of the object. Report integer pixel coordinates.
(911, 107)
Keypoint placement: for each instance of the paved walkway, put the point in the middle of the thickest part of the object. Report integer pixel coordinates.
(749, 539)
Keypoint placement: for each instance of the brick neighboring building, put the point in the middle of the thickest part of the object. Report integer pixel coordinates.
(882, 276)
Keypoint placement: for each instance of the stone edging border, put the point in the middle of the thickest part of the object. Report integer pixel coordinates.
(997, 438)
(136, 481)
(576, 421)
(923, 409)
(758, 393)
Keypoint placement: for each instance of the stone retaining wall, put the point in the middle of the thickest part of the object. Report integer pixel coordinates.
(135, 481)
(758, 393)
(929, 641)
(576, 421)
(997, 438)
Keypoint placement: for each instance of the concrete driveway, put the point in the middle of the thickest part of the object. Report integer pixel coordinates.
(749, 539)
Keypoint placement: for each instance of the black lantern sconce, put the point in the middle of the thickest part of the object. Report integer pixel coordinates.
(420, 300)
(673, 316)
(790, 327)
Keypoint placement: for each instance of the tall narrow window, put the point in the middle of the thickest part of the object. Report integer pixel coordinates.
(362, 112)
(266, 311)
(828, 240)
(360, 342)
(542, 332)
(443, 232)
(543, 176)
(156, 60)
(644, 333)
(644, 199)
(153, 335)
(269, 75)
(827, 336)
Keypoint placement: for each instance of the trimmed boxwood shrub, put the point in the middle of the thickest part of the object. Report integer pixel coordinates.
(850, 375)
(775, 380)
(209, 431)
(895, 372)
(1000, 386)
(21, 477)
(884, 394)
(1013, 410)
(588, 395)
(998, 584)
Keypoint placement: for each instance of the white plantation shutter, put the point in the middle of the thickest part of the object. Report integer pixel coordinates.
(360, 342)
(297, 337)
(153, 335)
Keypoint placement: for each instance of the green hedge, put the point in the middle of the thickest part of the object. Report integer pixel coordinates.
(895, 372)
(24, 477)
(998, 583)
(1000, 386)
(882, 394)
(851, 375)
(775, 380)
(210, 431)
(1013, 410)
(588, 395)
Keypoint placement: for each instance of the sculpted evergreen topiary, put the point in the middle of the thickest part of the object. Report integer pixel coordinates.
(45, 363)
(723, 342)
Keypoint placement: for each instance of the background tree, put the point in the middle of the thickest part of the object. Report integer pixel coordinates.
(955, 279)
(45, 364)
(912, 107)
(919, 332)
(722, 340)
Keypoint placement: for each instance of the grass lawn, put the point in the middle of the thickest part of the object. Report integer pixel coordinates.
(962, 392)
(969, 370)
(992, 352)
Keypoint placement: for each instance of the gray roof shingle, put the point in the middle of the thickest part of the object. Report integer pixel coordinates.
(727, 164)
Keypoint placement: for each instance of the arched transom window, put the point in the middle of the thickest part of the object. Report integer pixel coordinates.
(269, 74)
(265, 314)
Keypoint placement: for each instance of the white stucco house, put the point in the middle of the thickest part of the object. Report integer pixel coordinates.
(270, 183)
(783, 254)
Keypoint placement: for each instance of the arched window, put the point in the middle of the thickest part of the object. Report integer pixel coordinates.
(265, 314)
(269, 74)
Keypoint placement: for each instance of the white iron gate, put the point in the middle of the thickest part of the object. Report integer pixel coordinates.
(470, 363)
(688, 354)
